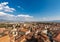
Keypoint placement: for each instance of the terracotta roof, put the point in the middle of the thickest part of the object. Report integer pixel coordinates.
(57, 38)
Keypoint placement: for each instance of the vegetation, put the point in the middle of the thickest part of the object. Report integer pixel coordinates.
(5, 25)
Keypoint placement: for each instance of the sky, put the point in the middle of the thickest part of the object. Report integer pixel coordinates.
(30, 10)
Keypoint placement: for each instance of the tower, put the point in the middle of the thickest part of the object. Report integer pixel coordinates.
(13, 34)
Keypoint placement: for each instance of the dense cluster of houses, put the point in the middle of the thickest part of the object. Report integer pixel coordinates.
(32, 32)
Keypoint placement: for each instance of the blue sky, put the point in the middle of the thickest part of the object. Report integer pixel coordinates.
(30, 10)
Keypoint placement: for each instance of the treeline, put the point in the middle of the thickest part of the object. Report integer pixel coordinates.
(5, 25)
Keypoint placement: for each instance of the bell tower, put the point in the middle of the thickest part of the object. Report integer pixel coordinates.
(13, 33)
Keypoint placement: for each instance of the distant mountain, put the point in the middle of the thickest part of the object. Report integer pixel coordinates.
(2, 20)
(56, 21)
(5, 20)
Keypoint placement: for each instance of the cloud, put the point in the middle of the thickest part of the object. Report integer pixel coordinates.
(49, 18)
(20, 7)
(12, 17)
(23, 17)
(6, 16)
(4, 7)
(26, 16)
